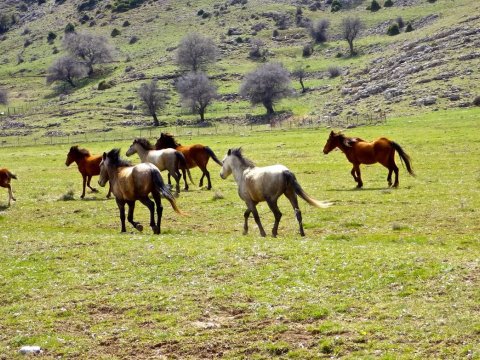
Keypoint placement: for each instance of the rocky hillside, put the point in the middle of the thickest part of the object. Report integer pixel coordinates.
(435, 66)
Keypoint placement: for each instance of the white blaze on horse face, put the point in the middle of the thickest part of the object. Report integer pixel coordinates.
(226, 167)
(103, 173)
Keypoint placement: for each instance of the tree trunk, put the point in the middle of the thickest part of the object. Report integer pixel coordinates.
(155, 119)
(303, 86)
(269, 106)
(350, 43)
(201, 112)
(70, 81)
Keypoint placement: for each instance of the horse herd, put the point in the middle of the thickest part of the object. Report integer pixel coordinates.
(129, 183)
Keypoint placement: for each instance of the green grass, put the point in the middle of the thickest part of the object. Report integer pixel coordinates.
(381, 274)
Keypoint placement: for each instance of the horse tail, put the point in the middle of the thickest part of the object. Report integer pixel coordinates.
(403, 157)
(11, 175)
(183, 164)
(164, 190)
(292, 182)
(190, 176)
(212, 155)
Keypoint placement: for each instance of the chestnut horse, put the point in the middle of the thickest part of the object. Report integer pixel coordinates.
(88, 165)
(130, 183)
(359, 151)
(196, 155)
(256, 184)
(5, 177)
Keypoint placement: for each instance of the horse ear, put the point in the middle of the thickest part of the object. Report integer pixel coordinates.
(229, 152)
(104, 156)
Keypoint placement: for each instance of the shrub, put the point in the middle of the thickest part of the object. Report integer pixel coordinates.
(126, 23)
(334, 71)
(115, 32)
(206, 15)
(476, 101)
(275, 33)
(409, 27)
(318, 31)
(239, 40)
(27, 43)
(200, 12)
(133, 40)
(125, 5)
(388, 3)
(336, 6)
(307, 50)
(51, 37)
(257, 50)
(393, 29)
(26, 31)
(400, 22)
(69, 28)
(374, 6)
(282, 21)
(5, 23)
(3, 96)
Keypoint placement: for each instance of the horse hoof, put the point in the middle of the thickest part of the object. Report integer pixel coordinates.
(263, 234)
(156, 230)
(245, 232)
(139, 227)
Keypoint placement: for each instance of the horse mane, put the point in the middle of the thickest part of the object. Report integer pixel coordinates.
(144, 143)
(170, 140)
(348, 141)
(84, 152)
(114, 157)
(238, 152)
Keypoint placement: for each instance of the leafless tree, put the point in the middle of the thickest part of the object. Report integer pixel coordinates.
(3, 97)
(91, 49)
(195, 52)
(66, 69)
(299, 73)
(257, 49)
(350, 29)
(318, 31)
(153, 99)
(266, 85)
(196, 92)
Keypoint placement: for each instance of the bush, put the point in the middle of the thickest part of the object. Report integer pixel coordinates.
(336, 6)
(307, 50)
(27, 43)
(258, 50)
(115, 32)
(318, 31)
(388, 3)
(476, 101)
(393, 30)
(374, 6)
(133, 40)
(126, 23)
(275, 33)
(51, 37)
(409, 28)
(200, 12)
(125, 5)
(3, 96)
(69, 28)
(400, 22)
(334, 71)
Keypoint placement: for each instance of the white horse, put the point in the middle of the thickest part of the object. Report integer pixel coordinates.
(256, 184)
(167, 159)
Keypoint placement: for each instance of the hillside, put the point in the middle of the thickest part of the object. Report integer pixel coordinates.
(435, 66)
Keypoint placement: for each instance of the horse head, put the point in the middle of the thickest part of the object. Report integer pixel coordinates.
(332, 141)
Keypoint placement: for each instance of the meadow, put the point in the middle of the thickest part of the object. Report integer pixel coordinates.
(383, 273)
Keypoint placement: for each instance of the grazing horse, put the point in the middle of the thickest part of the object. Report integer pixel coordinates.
(130, 183)
(256, 184)
(168, 159)
(359, 151)
(196, 155)
(88, 165)
(5, 177)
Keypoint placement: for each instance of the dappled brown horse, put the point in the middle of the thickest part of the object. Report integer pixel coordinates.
(359, 151)
(5, 177)
(196, 155)
(88, 165)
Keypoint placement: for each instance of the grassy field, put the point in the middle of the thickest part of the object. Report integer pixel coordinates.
(387, 274)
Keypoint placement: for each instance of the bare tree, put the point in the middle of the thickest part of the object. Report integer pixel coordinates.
(318, 31)
(91, 49)
(153, 99)
(299, 73)
(257, 49)
(350, 29)
(195, 52)
(196, 92)
(3, 97)
(266, 85)
(66, 69)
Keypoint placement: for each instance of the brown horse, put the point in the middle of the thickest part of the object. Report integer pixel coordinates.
(5, 177)
(130, 183)
(88, 165)
(359, 151)
(196, 155)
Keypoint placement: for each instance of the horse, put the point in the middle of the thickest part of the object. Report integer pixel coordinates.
(168, 159)
(256, 184)
(5, 177)
(88, 165)
(359, 151)
(130, 183)
(196, 155)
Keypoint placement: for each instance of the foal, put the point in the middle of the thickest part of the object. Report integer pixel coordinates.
(256, 184)
(5, 177)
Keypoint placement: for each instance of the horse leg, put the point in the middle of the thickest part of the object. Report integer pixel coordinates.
(395, 170)
(151, 206)
(131, 209)
(272, 204)
(185, 178)
(200, 184)
(10, 194)
(109, 190)
(88, 184)
(84, 184)
(158, 202)
(290, 194)
(246, 215)
(354, 174)
(169, 180)
(121, 208)
(176, 176)
(359, 177)
(389, 177)
(253, 208)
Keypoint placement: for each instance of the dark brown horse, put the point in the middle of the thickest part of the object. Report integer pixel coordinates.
(196, 155)
(359, 151)
(131, 183)
(5, 177)
(88, 165)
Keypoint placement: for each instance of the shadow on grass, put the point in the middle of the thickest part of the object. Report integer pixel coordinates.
(362, 189)
(4, 207)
